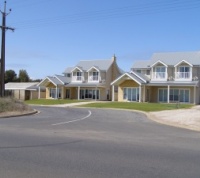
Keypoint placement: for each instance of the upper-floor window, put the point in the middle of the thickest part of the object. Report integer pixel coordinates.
(77, 76)
(160, 72)
(95, 76)
(183, 72)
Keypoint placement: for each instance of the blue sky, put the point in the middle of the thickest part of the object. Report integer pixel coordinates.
(51, 35)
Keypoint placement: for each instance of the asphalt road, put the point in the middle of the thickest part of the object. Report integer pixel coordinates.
(95, 143)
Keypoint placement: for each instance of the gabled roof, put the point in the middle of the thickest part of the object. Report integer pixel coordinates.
(102, 65)
(172, 58)
(63, 79)
(56, 80)
(77, 68)
(157, 62)
(137, 77)
(183, 61)
(21, 86)
(93, 67)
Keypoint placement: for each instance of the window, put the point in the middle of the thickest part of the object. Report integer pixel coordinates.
(162, 95)
(184, 96)
(159, 72)
(184, 72)
(79, 74)
(160, 69)
(184, 69)
(148, 72)
(89, 94)
(174, 95)
(95, 76)
(131, 94)
(52, 93)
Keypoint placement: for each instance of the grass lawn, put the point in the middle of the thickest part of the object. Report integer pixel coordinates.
(51, 101)
(147, 107)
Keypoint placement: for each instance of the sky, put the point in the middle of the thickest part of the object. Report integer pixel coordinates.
(51, 35)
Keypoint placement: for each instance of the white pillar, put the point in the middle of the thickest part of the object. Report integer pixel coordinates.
(56, 92)
(168, 92)
(78, 92)
(113, 93)
(39, 93)
(194, 94)
(140, 91)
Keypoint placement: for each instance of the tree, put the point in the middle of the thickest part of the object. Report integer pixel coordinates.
(10, 76)
(23, 76)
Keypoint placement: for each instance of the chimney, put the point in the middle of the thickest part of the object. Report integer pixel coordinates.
(114, 58)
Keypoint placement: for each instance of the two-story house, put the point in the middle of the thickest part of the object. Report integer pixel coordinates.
(166, 77)
(86, 80)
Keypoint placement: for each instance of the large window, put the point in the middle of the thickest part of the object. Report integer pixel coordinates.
(89, 94)
(175, 95)
(52, 93)
(131, 94)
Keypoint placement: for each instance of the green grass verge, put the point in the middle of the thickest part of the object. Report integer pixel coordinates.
(147, 107)
(51, 101)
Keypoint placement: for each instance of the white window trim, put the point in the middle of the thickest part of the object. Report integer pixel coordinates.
(173, 89)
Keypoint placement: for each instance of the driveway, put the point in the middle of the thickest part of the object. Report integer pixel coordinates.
(100, 143)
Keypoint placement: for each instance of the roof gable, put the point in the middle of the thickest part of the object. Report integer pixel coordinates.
(159, 62)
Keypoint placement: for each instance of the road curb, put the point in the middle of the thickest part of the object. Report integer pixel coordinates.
(20, 114)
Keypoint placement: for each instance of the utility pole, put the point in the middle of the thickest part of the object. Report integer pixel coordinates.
(2, 60)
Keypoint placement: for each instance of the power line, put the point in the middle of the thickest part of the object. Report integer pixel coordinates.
(142, 9)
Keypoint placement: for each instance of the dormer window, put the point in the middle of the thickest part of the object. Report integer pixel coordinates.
(159, 71)
(183, 71)
(77, 75)
(93, 74)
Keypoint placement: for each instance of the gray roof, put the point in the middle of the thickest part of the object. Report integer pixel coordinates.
(68, 70)
(142, 76)
(21, 86)
(141, 64)
(170, 58)
(55, 80)
(102, 65)
(136, 78)
(64, 79)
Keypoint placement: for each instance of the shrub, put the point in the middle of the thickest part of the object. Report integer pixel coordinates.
(11, 104)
